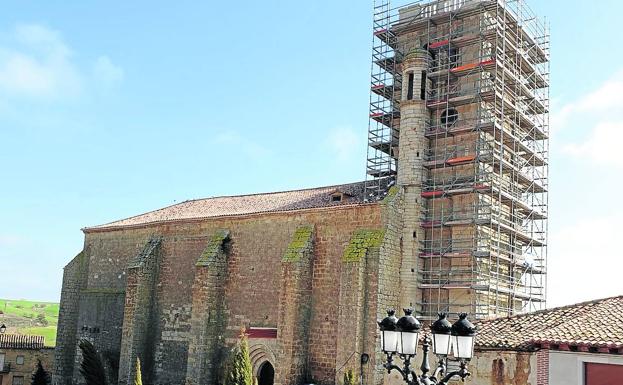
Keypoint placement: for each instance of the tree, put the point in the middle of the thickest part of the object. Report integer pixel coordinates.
(91, 367)
(239, 371)
(41, 319)
(138, 377)
(349, 377)
(40, 376)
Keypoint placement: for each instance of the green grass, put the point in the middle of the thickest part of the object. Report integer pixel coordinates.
(20, 316)
(49, 332)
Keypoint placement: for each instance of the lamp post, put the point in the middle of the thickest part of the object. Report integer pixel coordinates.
(400, 337)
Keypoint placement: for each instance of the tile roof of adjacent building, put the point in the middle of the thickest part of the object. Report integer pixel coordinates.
(596, 324)
(18, 341)
(225, 206)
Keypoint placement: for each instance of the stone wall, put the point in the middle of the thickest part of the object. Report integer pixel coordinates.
(74, 280)
(487, 368)
(25, 369)
(503, 368)
(251, 291)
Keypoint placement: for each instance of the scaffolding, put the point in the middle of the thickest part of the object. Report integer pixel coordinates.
(486, 168)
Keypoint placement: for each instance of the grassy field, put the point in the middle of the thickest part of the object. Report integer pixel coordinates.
(30, 317)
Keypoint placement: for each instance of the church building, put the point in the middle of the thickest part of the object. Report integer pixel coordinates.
(452, 217)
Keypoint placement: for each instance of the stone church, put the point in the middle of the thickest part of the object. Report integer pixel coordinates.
(299, 271)
(452, 217)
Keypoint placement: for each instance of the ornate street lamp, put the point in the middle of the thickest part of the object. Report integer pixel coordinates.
(445, 338)
(463, 337)
(441, 331)
(389, 332)
(2, 328)
(409, 328)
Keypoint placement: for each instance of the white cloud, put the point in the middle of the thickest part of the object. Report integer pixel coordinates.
(599, 113)
(106, 73)
(602, 146)
(40, 66)
(588, 261)
(36, 63)
(344, 142)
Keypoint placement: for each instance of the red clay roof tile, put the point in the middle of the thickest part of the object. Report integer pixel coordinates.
(597, 323)
(243, 205)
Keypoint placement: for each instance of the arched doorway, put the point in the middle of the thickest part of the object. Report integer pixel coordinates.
(266, 374)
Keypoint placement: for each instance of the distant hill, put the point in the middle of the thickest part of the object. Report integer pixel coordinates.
(30, 317)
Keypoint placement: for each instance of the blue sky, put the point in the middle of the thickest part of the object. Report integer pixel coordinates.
(109, 109)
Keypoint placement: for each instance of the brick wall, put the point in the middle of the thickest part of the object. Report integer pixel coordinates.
(542, 367)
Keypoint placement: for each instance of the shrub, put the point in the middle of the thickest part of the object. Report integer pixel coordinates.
(41, 319)
(349, 377)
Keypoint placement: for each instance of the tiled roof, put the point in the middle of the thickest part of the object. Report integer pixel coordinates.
(597, 324)
(17, 341)
(244, 205)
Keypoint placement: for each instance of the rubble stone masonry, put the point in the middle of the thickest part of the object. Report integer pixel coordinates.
(177, 294)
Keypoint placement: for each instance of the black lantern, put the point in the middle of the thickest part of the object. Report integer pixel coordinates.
(409, 328)
(389, 332)
(463, 336)
(402, 336)
(441, 330)
(2, 328)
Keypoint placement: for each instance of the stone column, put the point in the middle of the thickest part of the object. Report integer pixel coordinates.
(295, 304)
(139, 314)
(412, 147)
(207, 320)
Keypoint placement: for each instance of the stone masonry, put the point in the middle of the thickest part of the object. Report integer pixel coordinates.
(308, 283)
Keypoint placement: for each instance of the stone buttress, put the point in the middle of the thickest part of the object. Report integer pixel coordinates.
(205, 349)
(358, 299)
(140, 313)
(74, 281)
(295, 307)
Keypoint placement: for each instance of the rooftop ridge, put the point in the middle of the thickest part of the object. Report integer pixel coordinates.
(549, 310)
(125, 222)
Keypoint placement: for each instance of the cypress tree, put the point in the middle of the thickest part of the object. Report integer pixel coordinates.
(138, 377)
(239, 369)
(91, 367)
(40, 376)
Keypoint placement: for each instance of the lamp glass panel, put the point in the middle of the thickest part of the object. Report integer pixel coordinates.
(390, 340)
(441, 344)
(463, 347)
(408, 343)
